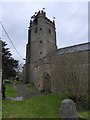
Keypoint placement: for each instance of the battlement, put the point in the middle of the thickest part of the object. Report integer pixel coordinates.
(41, 13)
(52, 23)
(37, 15)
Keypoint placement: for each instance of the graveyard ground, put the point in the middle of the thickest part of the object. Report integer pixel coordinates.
(42, 106)
(0, 109)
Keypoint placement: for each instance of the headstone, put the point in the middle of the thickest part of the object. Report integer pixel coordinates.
(68, 109)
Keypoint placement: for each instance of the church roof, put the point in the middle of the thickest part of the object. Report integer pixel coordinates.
(71, 49)
(75, 48)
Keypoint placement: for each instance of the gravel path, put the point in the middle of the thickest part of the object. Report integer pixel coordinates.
(24, 93)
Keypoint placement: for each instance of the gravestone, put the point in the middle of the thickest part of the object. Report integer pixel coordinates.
(68, 110)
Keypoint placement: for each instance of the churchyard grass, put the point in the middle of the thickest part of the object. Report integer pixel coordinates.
(0, 110)
(31, 87)
(10, 92)
(0, 115)
(43, 106)
(84, 114)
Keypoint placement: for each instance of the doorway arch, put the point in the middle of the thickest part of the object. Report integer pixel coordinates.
(46, 82)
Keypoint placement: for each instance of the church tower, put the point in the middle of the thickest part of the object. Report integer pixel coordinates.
(41, 41)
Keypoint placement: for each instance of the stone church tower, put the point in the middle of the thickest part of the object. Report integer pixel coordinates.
(41, 41)
(50, 69)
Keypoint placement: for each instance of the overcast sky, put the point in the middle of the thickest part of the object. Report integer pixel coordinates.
(71, 20)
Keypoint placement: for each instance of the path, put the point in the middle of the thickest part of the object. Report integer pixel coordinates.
(24, 93)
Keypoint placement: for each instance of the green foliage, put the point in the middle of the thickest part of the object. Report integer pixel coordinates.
(9, 65)
(83, 104)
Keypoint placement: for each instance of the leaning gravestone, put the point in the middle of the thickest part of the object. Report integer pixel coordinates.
(68, 110)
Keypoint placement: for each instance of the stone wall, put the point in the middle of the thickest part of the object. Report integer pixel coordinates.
(66, 71)
(70, 72)
(66, 68)
(41, 41)
(42, 37)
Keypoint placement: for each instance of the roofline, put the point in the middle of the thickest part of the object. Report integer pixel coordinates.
(74, 45)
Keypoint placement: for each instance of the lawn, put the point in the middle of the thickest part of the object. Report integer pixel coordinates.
(84, 114)
(10, 92)
(44, 106)
(0, 110)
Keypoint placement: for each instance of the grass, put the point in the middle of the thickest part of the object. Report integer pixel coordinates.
(84, 114)
(31, 88)
(10, 92)
(0, 115)
(44, 106)
(0, 109)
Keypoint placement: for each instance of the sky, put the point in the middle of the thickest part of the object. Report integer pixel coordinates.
(71, 21)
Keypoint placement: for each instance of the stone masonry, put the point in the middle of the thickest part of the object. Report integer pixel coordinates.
(51, 69)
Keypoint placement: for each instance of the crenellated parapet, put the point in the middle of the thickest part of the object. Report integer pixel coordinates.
(37, 15)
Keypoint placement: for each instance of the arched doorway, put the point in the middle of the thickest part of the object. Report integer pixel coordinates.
(46, 82)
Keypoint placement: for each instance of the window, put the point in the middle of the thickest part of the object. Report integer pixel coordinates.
(40, 28)
(49, 31)
(40, 41)
(40, 52)
(36, 30)
(35, 21)
(72, 73)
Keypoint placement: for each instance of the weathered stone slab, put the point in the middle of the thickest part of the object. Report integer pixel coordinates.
(68, 109)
